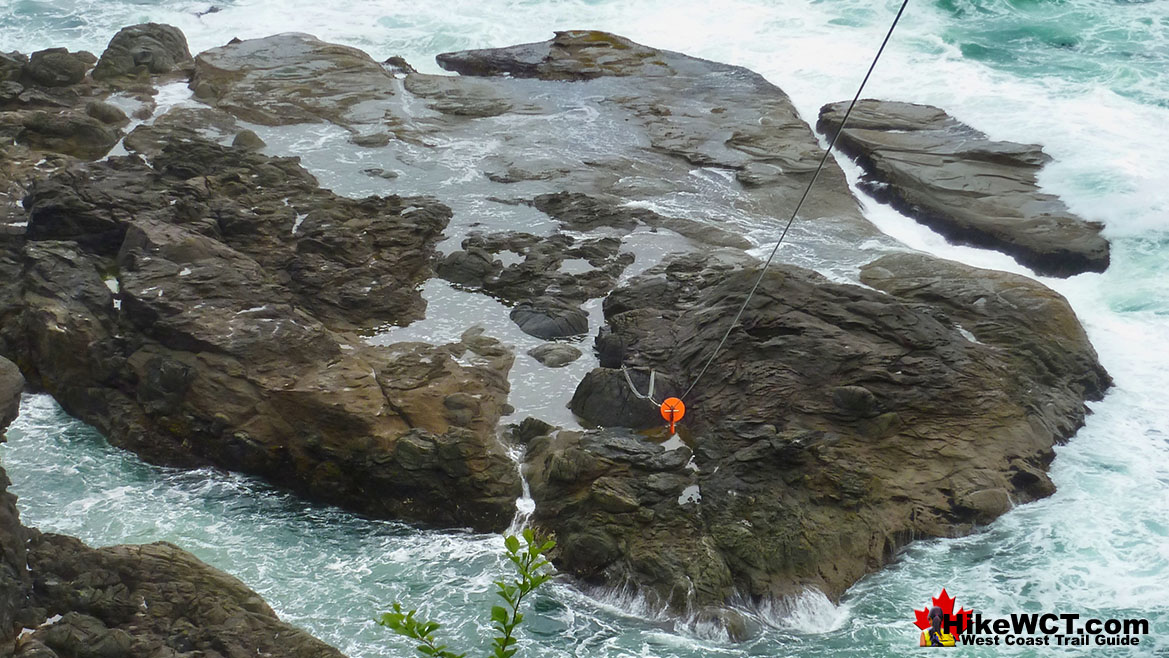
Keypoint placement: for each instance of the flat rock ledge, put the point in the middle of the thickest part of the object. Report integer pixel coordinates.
(965, 186)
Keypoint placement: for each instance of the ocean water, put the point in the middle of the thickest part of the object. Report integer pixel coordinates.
(1088, 79)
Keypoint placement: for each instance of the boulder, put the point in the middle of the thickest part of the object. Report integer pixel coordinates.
(836, 423)
(106, 113)
(151, 47)
(969, 188)
(71, 133)
(55, 67)
(555, 355)
(12, 66)
(549, 318)
(604, 398)
(249, 140)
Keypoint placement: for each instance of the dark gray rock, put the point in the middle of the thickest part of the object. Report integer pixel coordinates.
(106, 113)
(152, 47)
(968, 188)
(249, 140)
(555, 355)
(548, 318)
(837, 423)
(599, 262)
(71, 133)
(12, 66)
(11, 385)
(604, 398)
(55, 67)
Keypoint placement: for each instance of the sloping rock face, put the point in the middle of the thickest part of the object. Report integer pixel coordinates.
(838, 423)
(11, 384)
(970, 189)
(199, 309)
(15, 582)
(59, 597)
(289, 78)
(147, 601)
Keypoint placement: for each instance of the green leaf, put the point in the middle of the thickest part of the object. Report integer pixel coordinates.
(511, 543)
(499, 614)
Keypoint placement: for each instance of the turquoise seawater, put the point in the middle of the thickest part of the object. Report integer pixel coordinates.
(1088, 79)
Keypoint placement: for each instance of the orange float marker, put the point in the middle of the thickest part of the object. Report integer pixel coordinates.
(672, 411)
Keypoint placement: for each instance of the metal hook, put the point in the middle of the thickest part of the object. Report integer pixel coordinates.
(649, 395)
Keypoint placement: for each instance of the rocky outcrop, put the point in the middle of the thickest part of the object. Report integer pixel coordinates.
(15, 582)
(146, 601)
(151, 48)
(289, 78)
(199, 309)
(53, 109)
(59, 597)
(11, 384)
(837, 423)
(56, 67)
(969, 188)
(201, 303)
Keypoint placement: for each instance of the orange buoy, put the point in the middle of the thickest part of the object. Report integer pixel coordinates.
(672, 411)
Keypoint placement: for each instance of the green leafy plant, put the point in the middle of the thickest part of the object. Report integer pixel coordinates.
(532, 571)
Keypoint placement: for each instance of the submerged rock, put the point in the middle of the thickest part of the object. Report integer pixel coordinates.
(967, 187)
(555, 355)
(837, 423)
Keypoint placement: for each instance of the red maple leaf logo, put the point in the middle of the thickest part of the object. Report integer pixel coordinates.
(946, 603)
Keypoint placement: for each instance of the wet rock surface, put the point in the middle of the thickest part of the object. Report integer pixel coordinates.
(11, 384)
(289, 78)
(203, 302)
(59, 597)
(969, 188)
(15, 581)
(200, 308)
(145, 601)
(837, 423)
